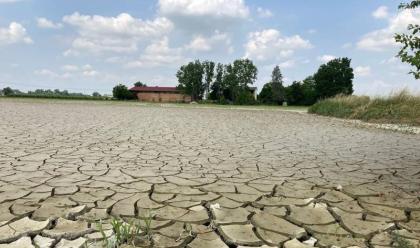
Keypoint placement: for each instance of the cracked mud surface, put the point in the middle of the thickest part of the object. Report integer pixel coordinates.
(211, 177)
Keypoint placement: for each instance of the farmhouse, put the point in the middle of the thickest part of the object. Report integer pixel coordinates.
(160, 94)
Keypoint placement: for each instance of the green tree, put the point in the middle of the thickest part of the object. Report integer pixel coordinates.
(245, 72)
(333, 78)
(410, 50)
(266, 94)
(121, 92)
(190, 80)
(217, 87)
(139, 84)
(277, 85)
(244, 97)
(208, 68)
(309, 92)
(295, 94)
(8, 91)
(96, 94)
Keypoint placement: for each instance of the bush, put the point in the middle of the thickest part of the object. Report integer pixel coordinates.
(245, 97)
(401, 108)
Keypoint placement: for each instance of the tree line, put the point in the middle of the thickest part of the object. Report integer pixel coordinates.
(232, 83)
(8, 91)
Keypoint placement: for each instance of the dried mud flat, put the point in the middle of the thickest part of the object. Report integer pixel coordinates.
(210, 177)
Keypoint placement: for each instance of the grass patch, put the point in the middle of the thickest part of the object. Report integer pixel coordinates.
(399, 108)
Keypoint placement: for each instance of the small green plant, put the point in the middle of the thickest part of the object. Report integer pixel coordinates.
(131, 232)
(399, 241)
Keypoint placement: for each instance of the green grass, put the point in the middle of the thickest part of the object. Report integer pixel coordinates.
(399, 108)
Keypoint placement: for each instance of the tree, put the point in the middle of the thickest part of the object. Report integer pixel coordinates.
(8, 91)
(309, 92)
(333, 78)
(190, 80)
(277, 85)
(266, 94)
(410, 50)
(121, 92)
(294, 94)
(208, 68)
(140, 84)
(96, 94)
(217, 87)
(245, 72)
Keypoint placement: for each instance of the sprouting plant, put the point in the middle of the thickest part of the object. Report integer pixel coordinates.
(399, 241)
(148, 225)
(126, 232)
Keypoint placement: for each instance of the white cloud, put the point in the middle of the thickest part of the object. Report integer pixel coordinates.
(204, 16)
(381, 12)
(362, 71)
(326, 58)
(15, 33)
(264, 13)
(287, 64)
(45, 23)
(218, 8)
(381, 39)
(270, 44)
(158, 53)
(45, 72)
(205, 44)
(69, 71)
(122, 33)
(70, 68)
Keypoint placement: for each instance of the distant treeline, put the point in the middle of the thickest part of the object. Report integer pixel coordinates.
(51, 94)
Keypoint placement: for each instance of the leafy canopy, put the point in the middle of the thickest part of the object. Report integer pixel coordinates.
(410, 41)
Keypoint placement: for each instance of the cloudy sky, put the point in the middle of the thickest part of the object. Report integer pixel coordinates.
(90, 45)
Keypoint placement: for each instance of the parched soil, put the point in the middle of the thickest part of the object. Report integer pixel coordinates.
(209, 177)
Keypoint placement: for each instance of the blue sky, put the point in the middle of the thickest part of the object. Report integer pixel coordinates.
(86, 46)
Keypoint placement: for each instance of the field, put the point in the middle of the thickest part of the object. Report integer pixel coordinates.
(207, 176)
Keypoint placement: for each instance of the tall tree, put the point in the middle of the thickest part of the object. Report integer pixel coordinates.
(245, 72)
(410, 50)
(208, 67)
(277, 85)
(333, 78)
(217, 87)
(190, 79)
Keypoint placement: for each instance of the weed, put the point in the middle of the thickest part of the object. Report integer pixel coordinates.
(127, 233)
(399, 241)
(399, 108)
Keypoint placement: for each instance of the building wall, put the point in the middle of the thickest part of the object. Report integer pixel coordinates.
(162, 97)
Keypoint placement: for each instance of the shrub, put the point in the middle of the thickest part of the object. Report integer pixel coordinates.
(245, 97)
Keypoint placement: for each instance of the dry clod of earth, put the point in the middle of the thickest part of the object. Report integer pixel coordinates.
(208, 178)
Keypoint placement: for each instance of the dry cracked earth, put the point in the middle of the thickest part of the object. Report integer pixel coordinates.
(208, 177)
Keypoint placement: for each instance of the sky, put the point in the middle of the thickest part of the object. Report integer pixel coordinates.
(92, 45)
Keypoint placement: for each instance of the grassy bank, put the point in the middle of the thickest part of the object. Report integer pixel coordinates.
(400, 108)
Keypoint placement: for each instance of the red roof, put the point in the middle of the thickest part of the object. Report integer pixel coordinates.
(154, 89)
